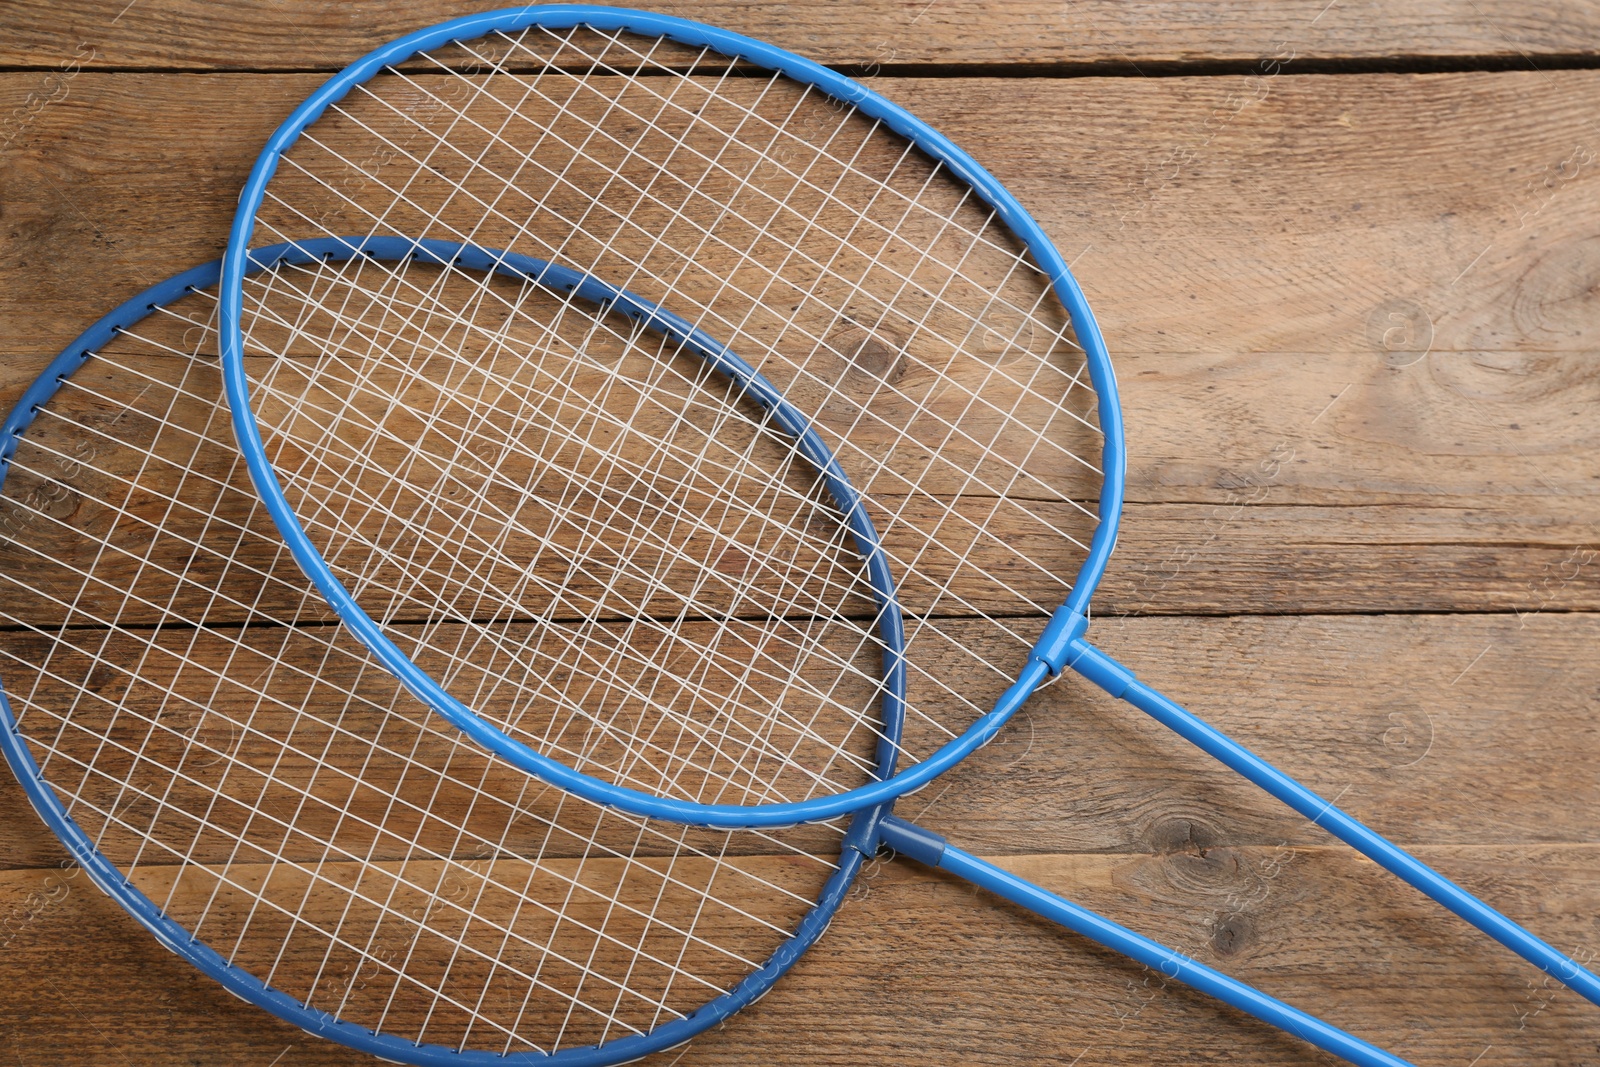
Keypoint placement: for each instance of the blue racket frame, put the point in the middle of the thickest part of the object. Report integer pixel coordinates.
(1060, 647)
(178, 938)
(419, 682)
(870, 827)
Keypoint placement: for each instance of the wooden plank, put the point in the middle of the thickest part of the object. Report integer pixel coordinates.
(562, 953)
(1404, 719)
(1171, 558)
(283, 741)
(1216, 558)
(1178, 256)
(1505, 551)
(1199, 227)
(1196, 277)
(192, 35)
(1462, 729)
(930, 967)
(132, 453)
(1425, 752)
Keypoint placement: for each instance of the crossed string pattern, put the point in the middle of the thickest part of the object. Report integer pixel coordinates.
(251, 771)
(471, 453)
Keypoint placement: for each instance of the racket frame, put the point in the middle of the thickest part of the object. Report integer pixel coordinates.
(241, 983)
(1043, 663)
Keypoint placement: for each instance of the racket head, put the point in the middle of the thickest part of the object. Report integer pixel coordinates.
(1010, 219)
(132, 846)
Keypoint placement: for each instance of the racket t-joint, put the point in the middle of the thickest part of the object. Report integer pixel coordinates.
(1062, 646)
(1056, 644)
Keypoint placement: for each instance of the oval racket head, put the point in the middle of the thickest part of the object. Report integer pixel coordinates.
(445, 451)
(240, 775)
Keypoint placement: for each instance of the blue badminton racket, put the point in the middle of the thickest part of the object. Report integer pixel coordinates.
(877, 294)
(245, 780)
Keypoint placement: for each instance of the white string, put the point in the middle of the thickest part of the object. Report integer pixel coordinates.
(321, 763)
(567, 753)
(741, 658)
(510, 603)
(608, 127)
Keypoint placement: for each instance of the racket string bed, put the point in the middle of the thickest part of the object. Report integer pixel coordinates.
(600, 235)
(237, 770)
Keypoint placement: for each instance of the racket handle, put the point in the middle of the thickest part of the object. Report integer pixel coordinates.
(1117, 680)
(933, 850)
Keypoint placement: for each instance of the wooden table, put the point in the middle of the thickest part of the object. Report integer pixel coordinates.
(1347, 257)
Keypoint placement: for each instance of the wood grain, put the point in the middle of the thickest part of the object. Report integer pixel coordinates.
(1476, 730)
(1355, 323)
(1476, 757)
(936, 973)
(1197, 230)
(299, 34)
(1429, 346)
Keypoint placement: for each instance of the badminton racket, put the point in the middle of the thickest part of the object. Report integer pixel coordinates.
(236, 771)
(430, 462)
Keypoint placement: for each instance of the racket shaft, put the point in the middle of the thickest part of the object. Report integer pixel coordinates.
(928, 848)
(1120, 682)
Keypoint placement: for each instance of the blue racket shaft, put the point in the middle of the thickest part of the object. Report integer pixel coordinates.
(1117, 680)
(933, 850)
